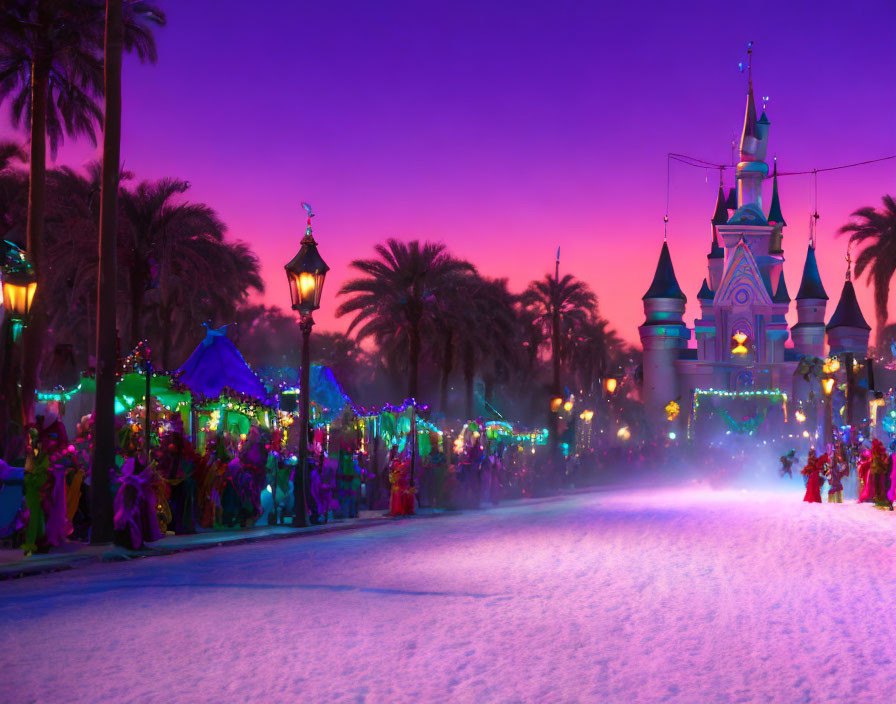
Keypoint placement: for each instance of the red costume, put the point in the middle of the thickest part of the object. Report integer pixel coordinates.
(401, 502)
(812, 470)
(866, 493)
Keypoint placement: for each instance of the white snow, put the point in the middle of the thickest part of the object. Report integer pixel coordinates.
(681, 595)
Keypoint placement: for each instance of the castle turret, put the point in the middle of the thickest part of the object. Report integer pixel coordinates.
(705, 325)
(663, 336)
(847, 330)
(811, 302)
(752, 169)
(716, 257)
(777, 329)
(776, 241)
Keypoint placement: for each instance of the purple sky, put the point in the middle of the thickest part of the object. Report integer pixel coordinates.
(507, 129)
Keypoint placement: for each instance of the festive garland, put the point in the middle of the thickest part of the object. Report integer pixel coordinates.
(747, 425)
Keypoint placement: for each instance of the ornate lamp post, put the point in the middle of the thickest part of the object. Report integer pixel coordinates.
(19, 287)
(305, 273)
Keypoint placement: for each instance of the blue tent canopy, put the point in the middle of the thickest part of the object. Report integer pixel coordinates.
(216, 364)
(326, 393)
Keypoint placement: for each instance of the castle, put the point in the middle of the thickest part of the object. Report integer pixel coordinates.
(742, 332)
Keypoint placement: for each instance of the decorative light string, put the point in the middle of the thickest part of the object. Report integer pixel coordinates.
(702, 164)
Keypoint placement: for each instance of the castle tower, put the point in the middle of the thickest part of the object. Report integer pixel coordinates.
(663, 336)
(847, 330)
(716, 258)
(811, 302)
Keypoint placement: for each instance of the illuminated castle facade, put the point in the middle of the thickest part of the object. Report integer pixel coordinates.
(742, 334)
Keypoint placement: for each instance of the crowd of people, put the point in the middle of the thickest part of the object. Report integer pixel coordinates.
(866, 474)
(239, 480)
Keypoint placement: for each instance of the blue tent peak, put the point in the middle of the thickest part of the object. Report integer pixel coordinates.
(216, 364)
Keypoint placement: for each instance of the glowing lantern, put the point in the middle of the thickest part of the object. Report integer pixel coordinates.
(874, 404)
(586, 416)
(672, 410)
(610, 385)
(738, 347)
(831, 365)
(19, 287)
(306, 273)
(556, 404)
(828, 385)
(567, 406)
(624, 433)
(800, 417)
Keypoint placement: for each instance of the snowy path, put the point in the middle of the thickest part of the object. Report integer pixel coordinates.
(678, 596)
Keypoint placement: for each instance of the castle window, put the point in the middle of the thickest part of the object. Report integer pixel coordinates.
(739, 343)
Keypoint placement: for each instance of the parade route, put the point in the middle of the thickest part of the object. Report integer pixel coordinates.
(616, 596)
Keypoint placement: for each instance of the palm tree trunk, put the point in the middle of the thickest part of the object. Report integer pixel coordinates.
(137, 289)
(413, 360)
(107, 362)
(880, 332)
(166, 315)
(33, 338)
(447, 368)
(469, 379)
(553, 425)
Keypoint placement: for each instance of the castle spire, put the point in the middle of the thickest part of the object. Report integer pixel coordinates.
(749, 125)
(664, 285)
(810, 285)
(781, 295)
(720, 216)
(775, 217)
(848, 314)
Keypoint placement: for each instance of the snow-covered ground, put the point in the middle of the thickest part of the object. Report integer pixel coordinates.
(681, 595)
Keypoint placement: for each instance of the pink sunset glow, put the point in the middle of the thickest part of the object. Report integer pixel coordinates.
(507, 134)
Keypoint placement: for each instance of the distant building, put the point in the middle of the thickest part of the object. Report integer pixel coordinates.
(742, 331)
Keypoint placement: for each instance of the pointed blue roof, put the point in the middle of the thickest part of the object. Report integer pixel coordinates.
(848, 314)
(810, 285)
(705, 294)
(775, 217)
(720, 216)
(763, 119)
(781, 295)
(664, 285)
(731, 201)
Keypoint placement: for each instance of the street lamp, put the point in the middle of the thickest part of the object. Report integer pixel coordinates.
(828, 385)
(19, 287)
(305, 274)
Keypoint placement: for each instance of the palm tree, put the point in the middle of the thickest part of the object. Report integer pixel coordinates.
(176, 250)
(558, 305)
(139, 14)
(487, 337)
(591, 351)
(9, 152)
(876, 231)
(52, 72)
(397, 297)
